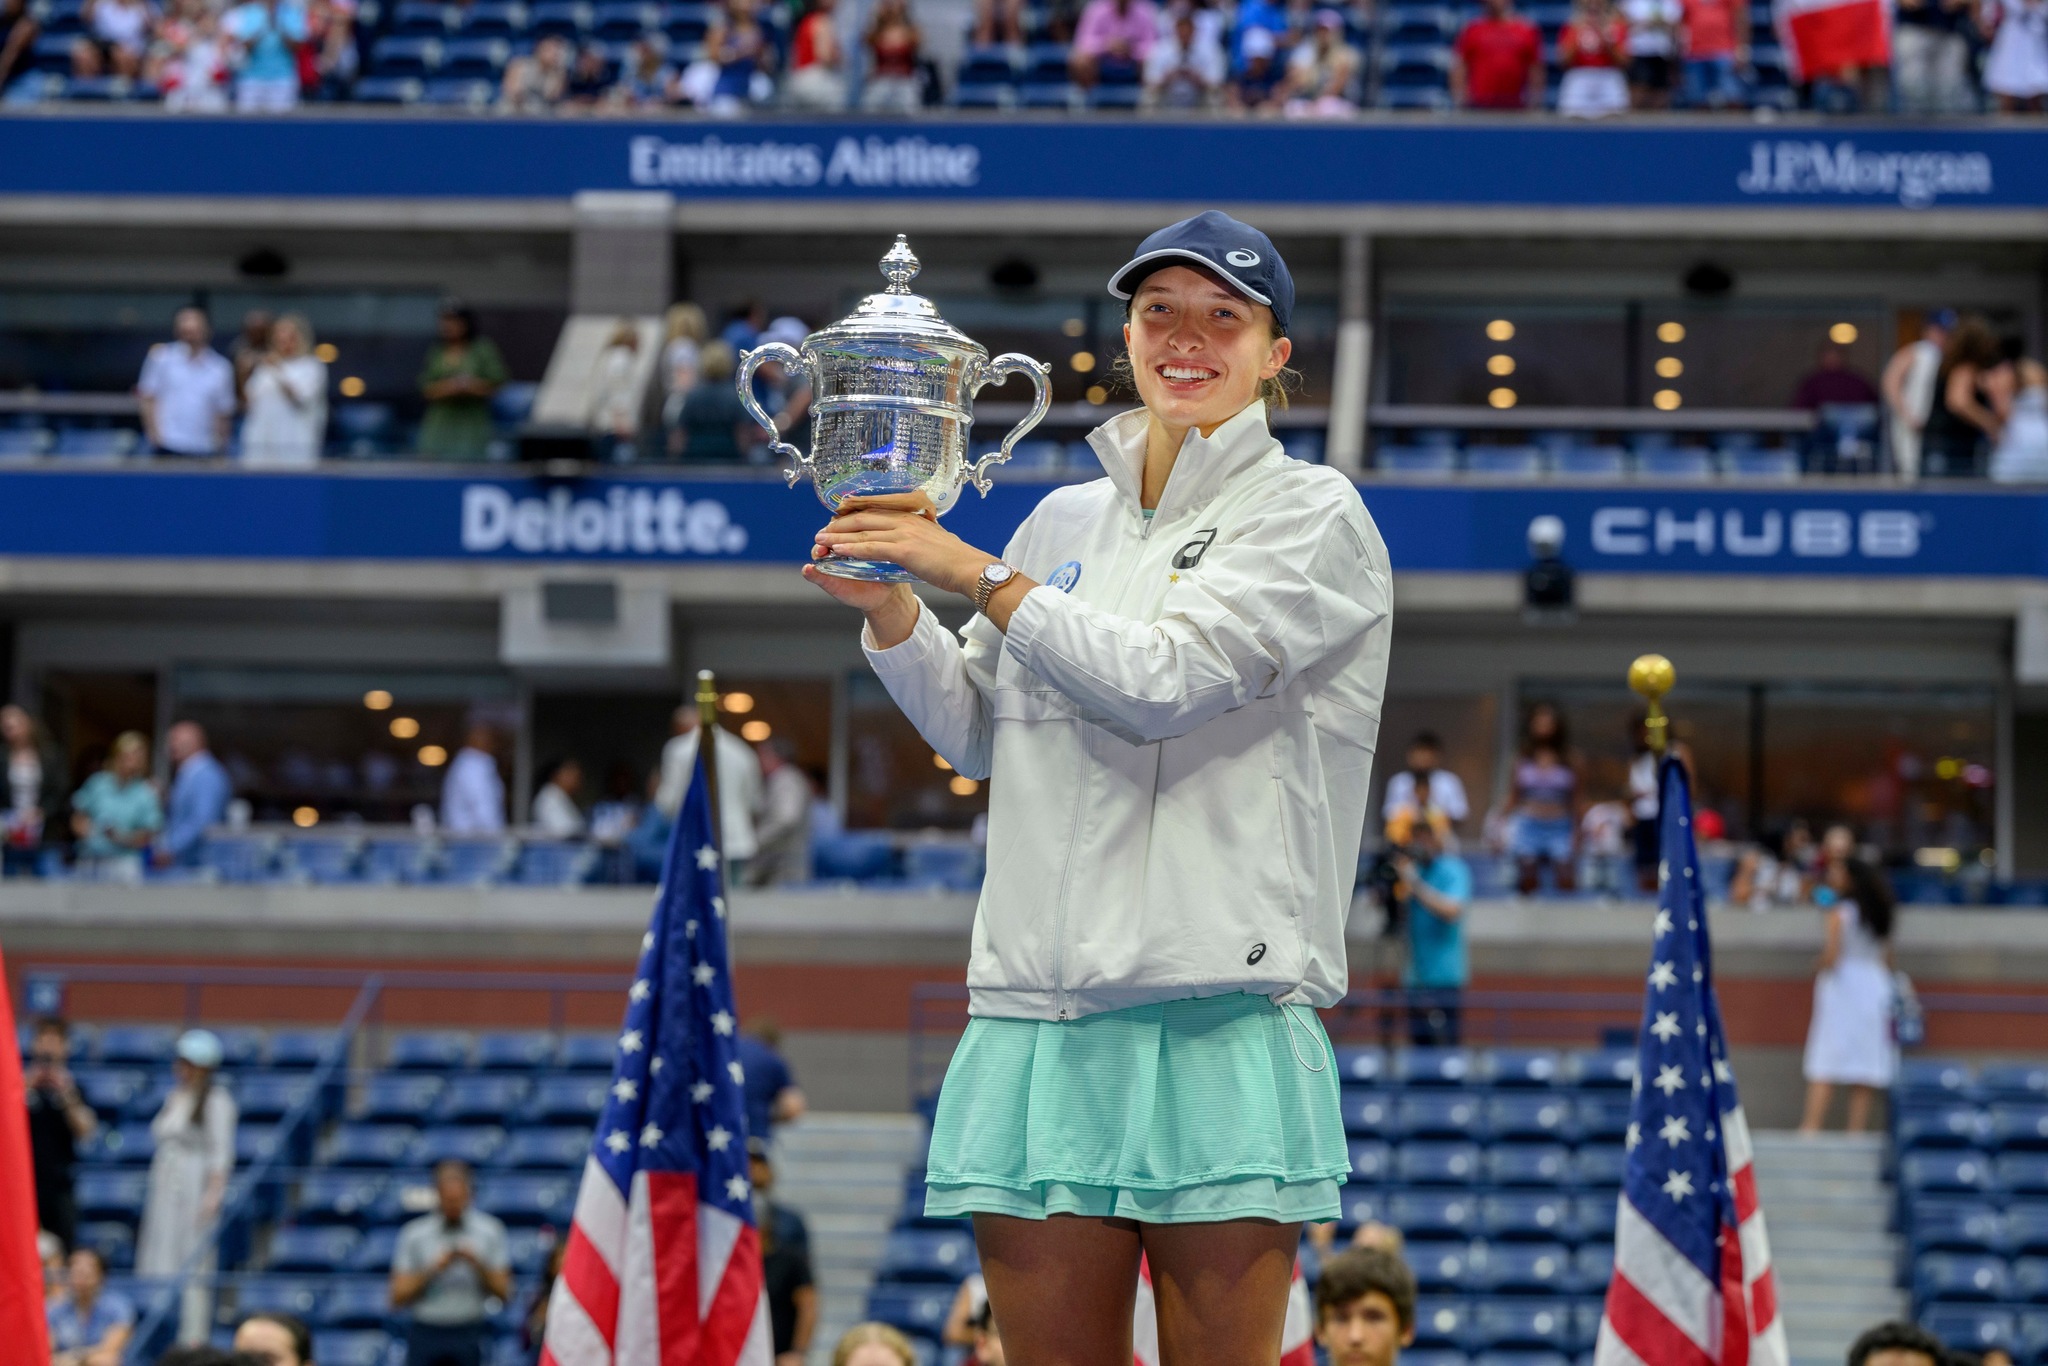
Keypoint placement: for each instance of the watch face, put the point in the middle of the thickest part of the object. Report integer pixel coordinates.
(998, 573)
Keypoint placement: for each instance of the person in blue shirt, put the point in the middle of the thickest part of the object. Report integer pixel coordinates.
(269, 33)
(199, 795)
(1436, 887)
(89, 1324)
(772, 1096)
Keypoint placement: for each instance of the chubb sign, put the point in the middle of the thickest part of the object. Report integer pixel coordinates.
(624, 521)
(1806, 533)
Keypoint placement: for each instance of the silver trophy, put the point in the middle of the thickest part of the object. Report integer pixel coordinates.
(892, 392)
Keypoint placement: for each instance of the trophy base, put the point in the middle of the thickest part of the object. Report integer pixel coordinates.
(874, 571)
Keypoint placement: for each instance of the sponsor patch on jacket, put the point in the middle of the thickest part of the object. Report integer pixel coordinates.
(1190, 555)
(1065, 577)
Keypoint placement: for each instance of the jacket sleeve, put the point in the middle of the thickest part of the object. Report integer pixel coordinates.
(942, 685)
(1291, 588)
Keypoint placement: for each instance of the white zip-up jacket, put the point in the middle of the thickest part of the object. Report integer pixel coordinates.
(1178, 730)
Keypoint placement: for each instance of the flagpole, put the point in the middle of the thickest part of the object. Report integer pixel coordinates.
(1652, 676)
(707, 749)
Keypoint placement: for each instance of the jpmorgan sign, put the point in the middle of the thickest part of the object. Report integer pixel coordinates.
(1809, 167)
(1650, 533)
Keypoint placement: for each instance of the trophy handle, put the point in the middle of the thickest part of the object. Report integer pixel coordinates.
(744, 381)
(1001, 368)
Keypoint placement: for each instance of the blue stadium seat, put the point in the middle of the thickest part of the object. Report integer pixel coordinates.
(112, 1239)
(853, 857)
(527, 1199)
(1434, 1356)
(2021, 1173)
(492, 19)
(1367, 1111)
(370, 1145)
(398, 1098)
(266, 1097)
(527, 1249)
(992, 64)
(1437, 1164)
(355, 1302)
(545, 1149)
(330, 1197)
(1768, 462)
(1593, 1263)
(25, 442)
(919, 1310)
(1441, 1267)
(527, 1050)
(483, 1100)
(1521, 1358)
(1603, 1117)
(1601, 1068)
(1361, 1205)
(323, 1248)
(473, 862)
(1430, 97)
(1590, 462)
(1529, 1118)
(95, 443)
(114, 1193)
(1437, 1114)
(298, 1296)
(1440, 1324)
(1948, 1126)
(1418, 26)
(2018, 1128)
(589, 1053)
(622, 21)
(240, 858)
(1433, 1066)
(1971, 1327)
(1530, 1165)
(2030, 1279)
(439, 1050)
(1521, 1268)
(2025, 1226)
(949, 864)
(1526, 1324)
(299, 1050)
(255, 1142)
(321, 860)
(120, 1145)
(407, 1194)
(1414, 459)
(686, 24)
(1371, 1161)
(1596, 1168)
(398, 858)
(241, 1047)
(352, 1349)
(421, 17)
(1935, 1225)
(1961, 1276)
(1435, 1215)
(922, 1254)
(567, 1100)
(476, 1144)
(1521, 1067)
(1364, 1066)
(2030, 1336)
(552, 863)
(374, 1253)
(2013, 1082)
(982, 95)
(1518, 462)
(148, 1098)
(1922, 1079)
(137, 1045)
(110, 1090)
(1526, 1217)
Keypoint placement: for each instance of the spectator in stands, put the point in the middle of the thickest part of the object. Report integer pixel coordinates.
(1365, 1308)
(555, 812)
(738, 59)
(91, 1325)
(533, 1327)
(2016, 68)
(190, 62)
(117, 35)
(784, 834)
(1435, 889)
(772, 1095)
(328, 59)
(116, 813)
(1849, 1039)
(1652, 50)
(250, 345)
(786, 1277)
(894, 47)
(1897, 1344)
(647, 82)
(58, 1121)
(462, 372)
(35, 786)
(817, 61)
(448, 1266)
(18, 33)
(1603, 849)
(712, 427)
(50, 1252)
(1593, 50)
(200, 792)
(473, 793)
(998, 21)
(1931, 56)
(970, 1302)
(1542, 810)
(286, 397)
(267, 34)
(681, 356)
(1322, 72)
(275, 1338)
(2017, 390)
(1773, 873)
(187, 390)
(1425, 782)
(188, 1176)
(1961, 419)
(874, 1344)
(1497, 62)
(784, 394)
(1185, 68)
(539, 83)
(615, 386)
(744, 323)
(739, 784)
(1646, 799)
(1112, 41)
(1716, 46)
(1908, 387)
(1831, 381)
(988, 1343)
(1257, 81)
(590, 76)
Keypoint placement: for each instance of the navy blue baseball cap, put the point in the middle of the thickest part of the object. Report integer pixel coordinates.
(1239, 252)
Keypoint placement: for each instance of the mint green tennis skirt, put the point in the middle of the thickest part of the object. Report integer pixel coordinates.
(1184, 1112)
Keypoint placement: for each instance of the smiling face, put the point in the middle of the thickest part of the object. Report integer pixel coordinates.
(1199, 349)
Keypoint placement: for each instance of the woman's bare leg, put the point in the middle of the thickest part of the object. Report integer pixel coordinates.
(1818, 1094)
(1221, 1290)
(1063, 1288)
(1859, 1109)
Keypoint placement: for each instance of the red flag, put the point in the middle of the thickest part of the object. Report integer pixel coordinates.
(21, 1271)
(1825, 38)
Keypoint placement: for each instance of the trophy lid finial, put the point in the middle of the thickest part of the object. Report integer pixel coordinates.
(900, 266)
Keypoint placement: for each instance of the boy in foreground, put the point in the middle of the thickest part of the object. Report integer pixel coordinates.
(1365, 1308)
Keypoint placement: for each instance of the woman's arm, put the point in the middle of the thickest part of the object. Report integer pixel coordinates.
(1831, 947)
(1962, 401)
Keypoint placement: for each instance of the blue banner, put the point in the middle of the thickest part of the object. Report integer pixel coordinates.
(1475, 163)
(451, 516)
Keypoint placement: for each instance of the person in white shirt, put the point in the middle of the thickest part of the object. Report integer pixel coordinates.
(739, 785)
(473, 793)
(1908, 385)
(555, 812)
(1652, 50)
(187, 390)
(784, 831)
(1185, 68)
(287, 396)
(1440, 788)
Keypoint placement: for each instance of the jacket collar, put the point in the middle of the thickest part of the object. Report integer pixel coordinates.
(1205, 465)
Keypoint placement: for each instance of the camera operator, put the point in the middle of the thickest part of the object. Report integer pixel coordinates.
(1434, 889)
(58, 1120)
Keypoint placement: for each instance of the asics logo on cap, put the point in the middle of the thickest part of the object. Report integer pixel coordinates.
(1241, 257)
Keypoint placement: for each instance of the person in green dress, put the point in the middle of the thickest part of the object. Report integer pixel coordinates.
(1172, 684)
(116, 813)
(463, 371)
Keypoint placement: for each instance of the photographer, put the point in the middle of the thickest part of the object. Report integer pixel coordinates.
(1434, 889)
(58, 1120)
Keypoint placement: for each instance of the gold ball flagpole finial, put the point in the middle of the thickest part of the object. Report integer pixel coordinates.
(1652, 676)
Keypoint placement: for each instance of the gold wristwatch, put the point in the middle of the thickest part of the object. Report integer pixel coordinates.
(992, 578)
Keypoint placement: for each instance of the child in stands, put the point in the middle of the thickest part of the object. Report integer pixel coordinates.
(1365, 1308)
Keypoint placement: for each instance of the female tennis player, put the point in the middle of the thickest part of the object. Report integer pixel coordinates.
(1173, 683)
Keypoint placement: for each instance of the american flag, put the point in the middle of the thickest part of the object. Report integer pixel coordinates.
(1297, 1335)
(1692, 1279)
(663, 1265)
